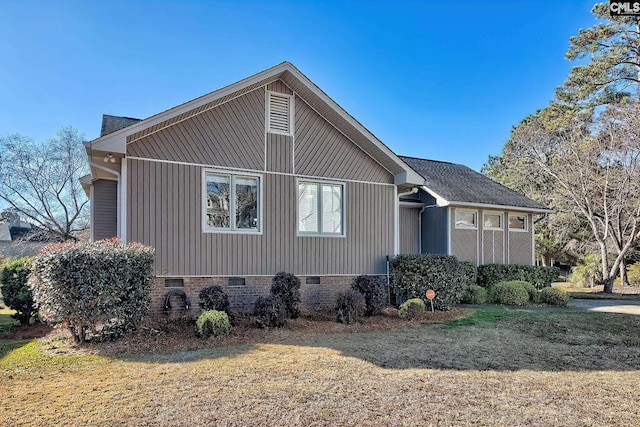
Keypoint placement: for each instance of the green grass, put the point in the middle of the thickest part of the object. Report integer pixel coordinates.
(478, 317)
(7, 323)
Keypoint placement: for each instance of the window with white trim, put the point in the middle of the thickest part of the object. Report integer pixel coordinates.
(466, 219)
(518, 222)
(232, 202)
(279, 113)
(492, 221)
(320, 208)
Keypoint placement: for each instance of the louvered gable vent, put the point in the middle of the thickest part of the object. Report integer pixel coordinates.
(279, 113)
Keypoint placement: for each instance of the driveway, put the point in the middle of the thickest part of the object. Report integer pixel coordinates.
(609, 306)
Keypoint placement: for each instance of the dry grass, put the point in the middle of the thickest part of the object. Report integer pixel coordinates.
(619, 292)
(495, 368)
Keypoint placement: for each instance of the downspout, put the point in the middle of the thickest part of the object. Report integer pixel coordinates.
(117, 174)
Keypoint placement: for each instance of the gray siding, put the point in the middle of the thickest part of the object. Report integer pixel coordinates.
(105, 209)
(279, 153)
(165, 211)
(230, 135)
(493, 247)
(520, 248)
(321, 150)
(464, 243)
(434, 234)
(409, 231)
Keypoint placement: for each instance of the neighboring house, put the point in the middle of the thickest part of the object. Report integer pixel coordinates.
(20, 238)
(268, 174)
(461, 212)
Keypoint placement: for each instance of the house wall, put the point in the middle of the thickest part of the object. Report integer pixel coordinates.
(434, 226)
(164, 199)
(409, 230)
(492, 246)
(105, 209)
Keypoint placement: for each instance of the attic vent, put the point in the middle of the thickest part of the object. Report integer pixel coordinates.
(279, 113)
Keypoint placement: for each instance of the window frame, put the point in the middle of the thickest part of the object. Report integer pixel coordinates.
(526, 223)
(465, 227)
(268, 113)
(320, 183)
(232, 202)
(499, 215)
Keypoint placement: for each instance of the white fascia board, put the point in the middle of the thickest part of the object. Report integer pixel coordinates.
(499, 207)
(408, 177)
(440, 201)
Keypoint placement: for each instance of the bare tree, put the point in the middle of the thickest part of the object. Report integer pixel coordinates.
(41, 181)
(597, 170)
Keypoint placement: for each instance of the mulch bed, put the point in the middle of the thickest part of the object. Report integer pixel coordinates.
(161, 334)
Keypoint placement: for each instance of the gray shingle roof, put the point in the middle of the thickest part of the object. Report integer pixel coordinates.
(458, 183)
(111, 124)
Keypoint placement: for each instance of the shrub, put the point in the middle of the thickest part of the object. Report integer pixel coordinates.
(633, 276)
(16, 292)
(350, 305)
(287, 287)
(213, 322)
(540, 277)
(411, 308)
(90, 284)
(374, 289)
(412, 275)
(509, 293)
(270, 312)
(470, 271)
(554, 296)
(214, 298)
(531, 290)
(474, 294)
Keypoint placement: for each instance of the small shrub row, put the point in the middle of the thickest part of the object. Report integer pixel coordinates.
(474, 294)
(554, 296)
(510, 293)
(540, 277)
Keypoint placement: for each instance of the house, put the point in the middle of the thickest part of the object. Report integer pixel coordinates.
(21, 238)
(461, 212)
(264, 175)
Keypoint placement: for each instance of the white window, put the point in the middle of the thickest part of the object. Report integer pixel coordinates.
(518, 222)
(492, 221)
(279, 113)
(320, 209)
(466, 219)
(231, 202)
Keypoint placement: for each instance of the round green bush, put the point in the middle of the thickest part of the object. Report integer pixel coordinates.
(214, 298)
(529, 287)
(554, 296)
(412, 308)
(374, 289)
(508, 293)
(270, 312)
(474, 294)
(213, 322)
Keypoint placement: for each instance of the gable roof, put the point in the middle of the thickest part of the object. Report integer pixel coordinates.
(459, 185)
(116, 141)
(112, 124)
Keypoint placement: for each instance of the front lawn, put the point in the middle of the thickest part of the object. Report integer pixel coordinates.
(494, 368)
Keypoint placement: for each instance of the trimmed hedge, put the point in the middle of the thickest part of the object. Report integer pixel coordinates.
(214, 298)
(413, 275)
(100, 287)
(411, 308)
(474, 294)
(554, 296)
(270, 312)
(374, 289)
(470, 271)
(350, 305)
(213, 323)
(540, 277)
(509, 293)
(16, 293)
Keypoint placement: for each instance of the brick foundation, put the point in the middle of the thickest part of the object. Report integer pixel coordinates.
(243, 297)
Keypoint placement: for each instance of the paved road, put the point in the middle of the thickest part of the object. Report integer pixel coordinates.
(610, 306)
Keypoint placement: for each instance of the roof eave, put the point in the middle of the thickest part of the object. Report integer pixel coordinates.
(498, 207)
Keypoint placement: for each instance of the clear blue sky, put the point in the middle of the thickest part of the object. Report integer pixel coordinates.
(433, 79)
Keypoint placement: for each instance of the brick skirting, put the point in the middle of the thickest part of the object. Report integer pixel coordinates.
(243, 297)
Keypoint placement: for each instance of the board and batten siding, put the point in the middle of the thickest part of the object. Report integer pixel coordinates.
(105, 209)
(521, 246)
(165, 211)
(230, 135)
(409, 231)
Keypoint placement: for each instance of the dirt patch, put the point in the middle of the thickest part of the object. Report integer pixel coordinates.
(37, 330)
(179, 334)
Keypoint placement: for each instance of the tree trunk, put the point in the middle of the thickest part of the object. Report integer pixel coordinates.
(608, 285)
(623, 273)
